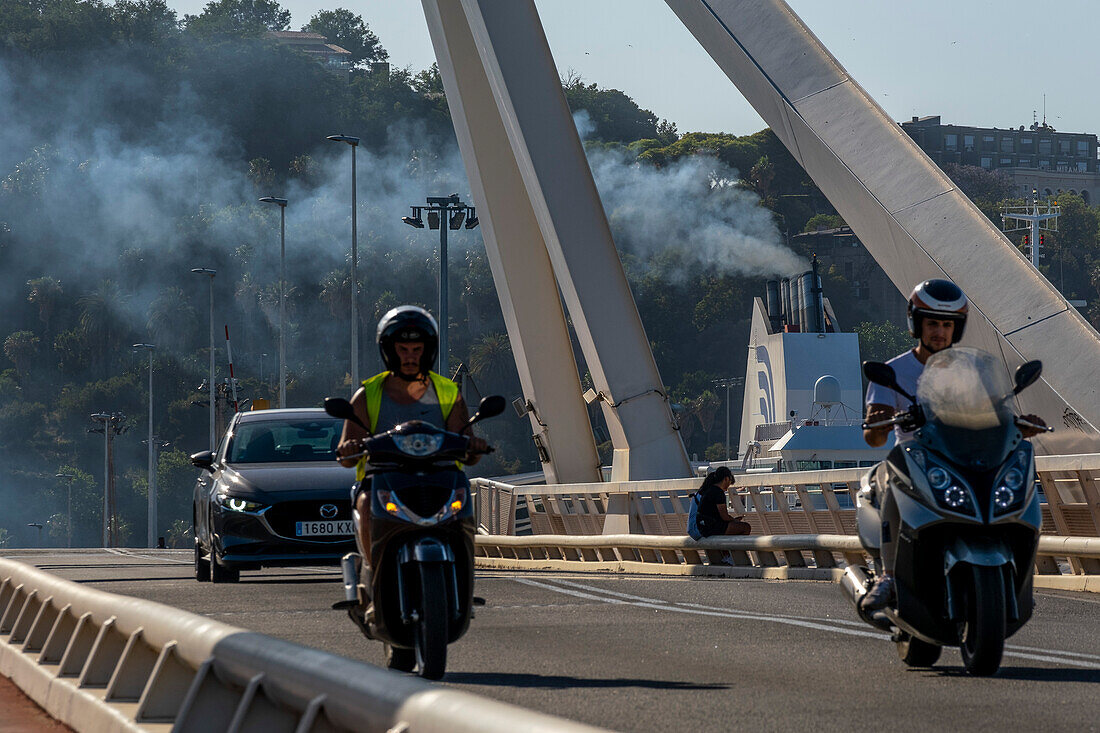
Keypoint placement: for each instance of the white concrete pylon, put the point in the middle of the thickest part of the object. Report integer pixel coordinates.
(546, 150)
(524, 278)
(908, 214)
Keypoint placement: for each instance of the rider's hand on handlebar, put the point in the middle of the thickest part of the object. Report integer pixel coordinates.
(1027, 430)
(349, 448)
(477, 446)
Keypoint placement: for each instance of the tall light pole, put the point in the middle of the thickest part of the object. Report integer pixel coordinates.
(151, 535)
(112, 425)
(444, 212)
(210, 381)
(69, 478)
(281, 203)
(727, 383)
(354, 143)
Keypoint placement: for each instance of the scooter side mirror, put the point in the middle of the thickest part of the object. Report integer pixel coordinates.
(341, 408)
(490, 406)
(1027, 374)
(203, 460)
(883, 374)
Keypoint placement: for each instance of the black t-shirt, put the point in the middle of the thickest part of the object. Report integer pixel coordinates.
(709, 499)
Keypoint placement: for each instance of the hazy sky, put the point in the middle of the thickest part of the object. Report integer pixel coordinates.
(975, 62)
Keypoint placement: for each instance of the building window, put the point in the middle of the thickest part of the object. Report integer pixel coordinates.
(989, 142)
(987, 162)
(1082, 166)
(951, 142)
(1006, 161)
(1044, 146)
(968, 143)
(1044, 164)
(1026, 145)
(1082, 148)
(1027, 162)
(1063, 147)
(1007, 145)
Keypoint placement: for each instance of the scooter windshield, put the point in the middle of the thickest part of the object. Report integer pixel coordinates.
(967, 399)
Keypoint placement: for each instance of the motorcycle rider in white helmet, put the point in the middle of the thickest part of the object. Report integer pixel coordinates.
(936, 316)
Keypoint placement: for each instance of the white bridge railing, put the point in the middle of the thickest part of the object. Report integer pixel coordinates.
(776, 505)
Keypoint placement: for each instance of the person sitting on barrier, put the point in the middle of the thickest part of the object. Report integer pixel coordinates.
(708, 515)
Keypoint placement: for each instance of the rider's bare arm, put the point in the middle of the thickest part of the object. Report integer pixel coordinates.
(456, 421)
(1032, 432)
(351, 437)
(876, 437)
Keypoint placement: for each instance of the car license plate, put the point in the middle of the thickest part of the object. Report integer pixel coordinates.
(322, 528)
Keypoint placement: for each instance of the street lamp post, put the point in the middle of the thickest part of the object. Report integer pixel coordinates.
(151, 536)
(281, 203)
(354, 143)
(69, 478)
(210, 380)
(727, 383)
(113, 424)
(38, 526)
(444, 212)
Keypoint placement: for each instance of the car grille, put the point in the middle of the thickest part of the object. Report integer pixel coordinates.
(282, 516)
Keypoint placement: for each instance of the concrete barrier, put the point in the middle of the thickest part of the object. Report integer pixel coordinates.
(103, 663)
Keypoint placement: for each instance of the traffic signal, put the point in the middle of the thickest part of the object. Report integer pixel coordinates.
(1027, 240)
(1042, 239)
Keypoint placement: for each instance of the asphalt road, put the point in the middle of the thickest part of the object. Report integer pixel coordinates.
(635, 653)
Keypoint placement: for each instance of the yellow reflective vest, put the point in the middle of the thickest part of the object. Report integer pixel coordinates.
(445, 390)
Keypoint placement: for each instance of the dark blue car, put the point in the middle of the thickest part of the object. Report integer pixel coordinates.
(272, 495)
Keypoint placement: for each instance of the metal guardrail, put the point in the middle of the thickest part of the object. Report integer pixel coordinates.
(100, 663)
(807, 556)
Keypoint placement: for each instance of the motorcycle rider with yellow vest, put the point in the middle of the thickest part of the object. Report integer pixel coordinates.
(408, 340)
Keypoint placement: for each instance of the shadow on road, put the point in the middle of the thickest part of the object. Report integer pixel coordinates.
(97, 581)
(561, 682)
(1029, 674)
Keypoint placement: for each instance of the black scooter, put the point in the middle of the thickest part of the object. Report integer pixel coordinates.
(969, 519)
(417, 595)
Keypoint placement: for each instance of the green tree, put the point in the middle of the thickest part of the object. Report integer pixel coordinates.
(881, 341)
(21, 348)
(347, 30)
(615, 116)
(44, 293)
(238, 18)
(491, 359)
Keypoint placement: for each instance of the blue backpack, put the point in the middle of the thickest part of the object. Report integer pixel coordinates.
(693, 516)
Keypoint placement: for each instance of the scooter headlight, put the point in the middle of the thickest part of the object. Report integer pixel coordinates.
(956, 498)
(1013, 480)
(418, 444)
(1003, 497)
(938, 478)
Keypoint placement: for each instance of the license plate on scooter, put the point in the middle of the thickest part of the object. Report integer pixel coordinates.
(322, 528)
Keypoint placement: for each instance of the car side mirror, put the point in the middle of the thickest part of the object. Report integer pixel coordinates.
(490, 406)
(203, 460)
(341, 408)
(883, 374)
(1026, 375)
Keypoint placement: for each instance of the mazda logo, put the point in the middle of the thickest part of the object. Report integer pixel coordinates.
(328, 511)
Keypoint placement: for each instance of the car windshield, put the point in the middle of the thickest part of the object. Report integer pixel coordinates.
(285, 441)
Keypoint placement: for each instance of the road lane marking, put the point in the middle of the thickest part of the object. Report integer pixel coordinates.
(659, 605)
(617, 598)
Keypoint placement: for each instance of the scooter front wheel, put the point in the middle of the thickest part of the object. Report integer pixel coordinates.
(982, 635)
(431, 627)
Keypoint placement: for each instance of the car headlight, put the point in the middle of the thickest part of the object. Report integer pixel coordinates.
(237, 504)
(418, 444)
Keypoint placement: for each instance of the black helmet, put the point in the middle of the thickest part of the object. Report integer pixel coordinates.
(403, 324)
(940, 299)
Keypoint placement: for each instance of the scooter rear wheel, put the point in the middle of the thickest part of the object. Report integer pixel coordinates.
(917, 652)
(982, 635)
(431, 628)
